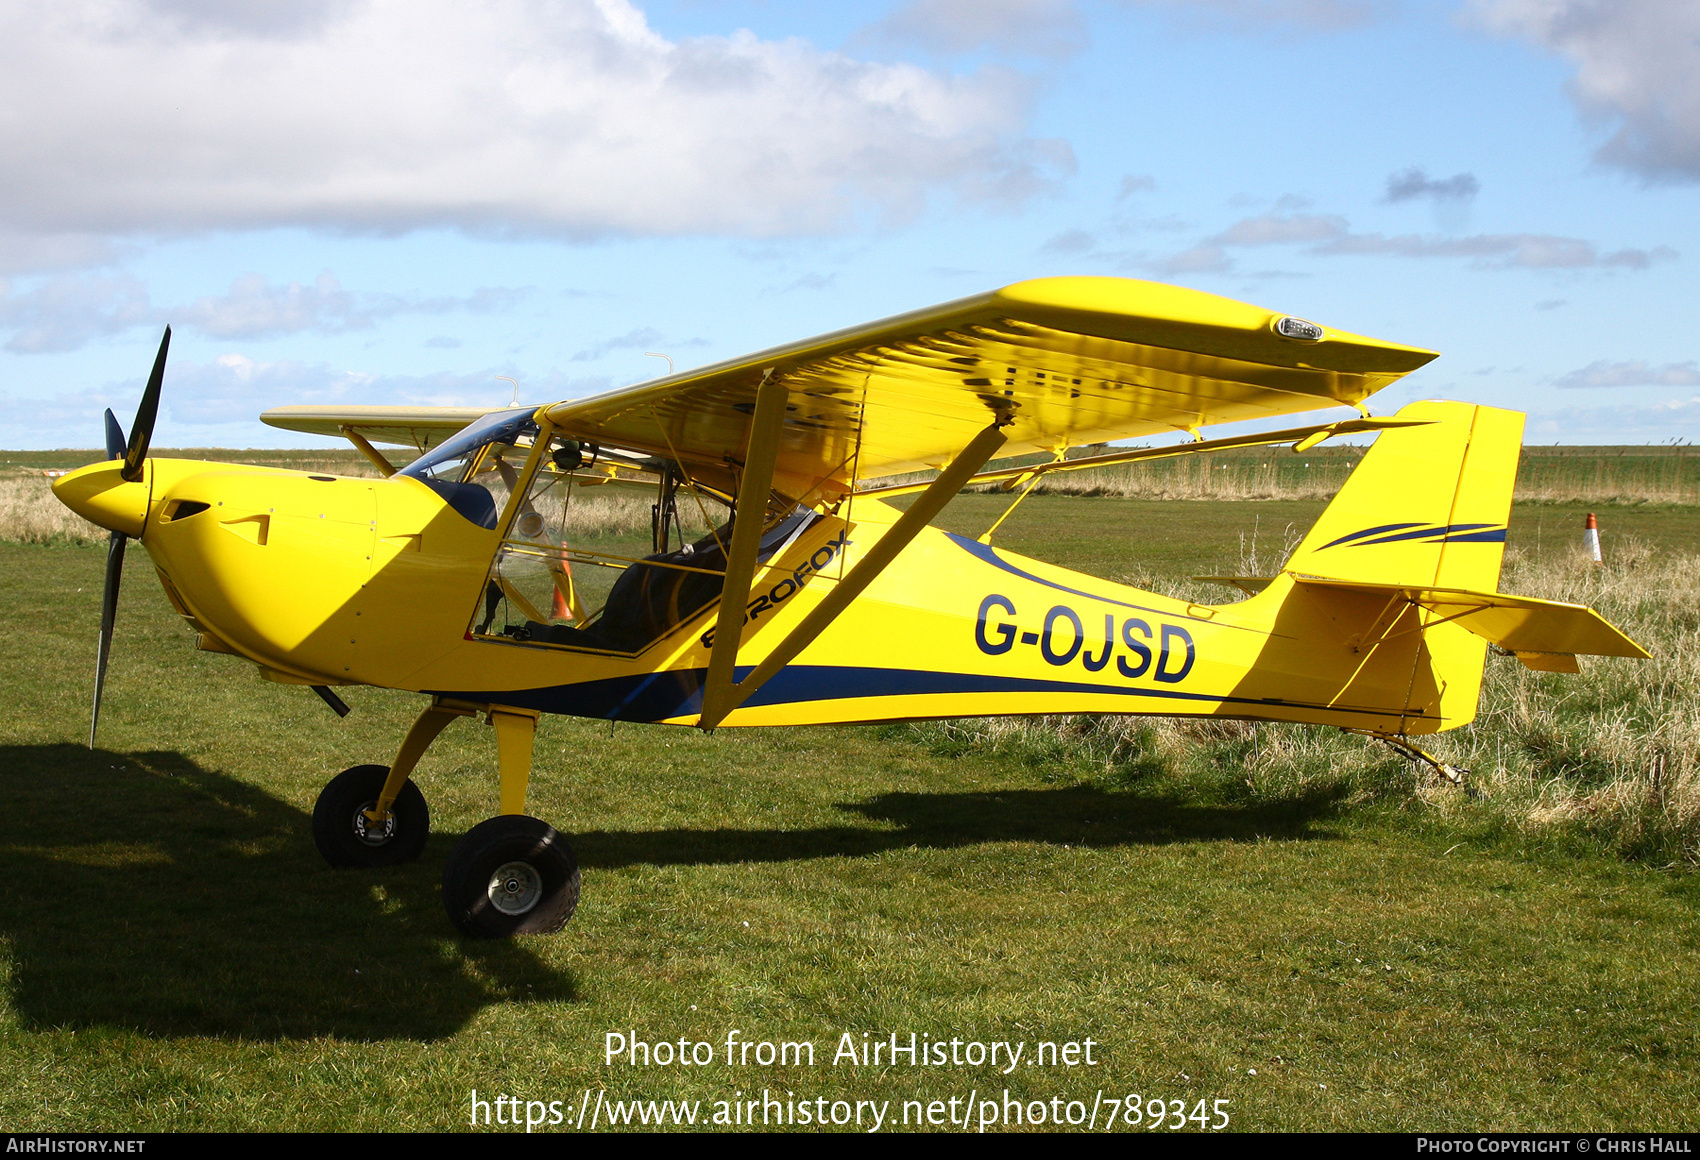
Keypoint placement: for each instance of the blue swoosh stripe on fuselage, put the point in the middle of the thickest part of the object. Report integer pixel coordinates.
(658, 696)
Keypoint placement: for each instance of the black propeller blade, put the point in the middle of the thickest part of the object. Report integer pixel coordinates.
(133, 452)
(108, 615)
(115, 442)
(141, 431)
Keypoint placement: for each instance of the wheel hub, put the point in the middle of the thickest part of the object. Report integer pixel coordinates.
(370, 833)
(515, 888)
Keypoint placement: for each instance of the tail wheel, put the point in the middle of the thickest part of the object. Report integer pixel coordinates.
(347, 837)
(510, 875)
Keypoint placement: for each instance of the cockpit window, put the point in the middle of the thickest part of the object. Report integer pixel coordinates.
(611, 552)
(481, 449)
(449, 460)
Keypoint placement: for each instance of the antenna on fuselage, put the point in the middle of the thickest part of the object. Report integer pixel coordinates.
(668, 357)
(515, 382)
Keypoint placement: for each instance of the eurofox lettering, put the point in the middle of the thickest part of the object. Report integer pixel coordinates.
(1166, 653)
(790, 585)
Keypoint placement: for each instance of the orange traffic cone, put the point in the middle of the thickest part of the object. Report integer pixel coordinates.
(1591, 540)
(559, 609)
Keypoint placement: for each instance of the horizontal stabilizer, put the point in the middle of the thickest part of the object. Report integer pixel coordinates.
(1543, 633)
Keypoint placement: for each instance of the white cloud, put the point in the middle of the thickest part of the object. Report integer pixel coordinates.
(64, 313)
(1331, 234)
(1205, 259)
(1133, 183)
(219, 19)
(1636, 373)
(67, 311)
(1652, 423)
(813, 280)
(1415, 183)
(1277, 229)
(234, 388)
(27, 252)
(1501, 251)
(1637, 68)
(255, 309)
(1024, 27)
(1071, 242)
(1307, 15)
(569, 118)
(631, 340)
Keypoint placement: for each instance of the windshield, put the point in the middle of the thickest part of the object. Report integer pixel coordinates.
(448, 461)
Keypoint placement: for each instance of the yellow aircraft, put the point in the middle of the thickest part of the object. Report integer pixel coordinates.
(771, 580)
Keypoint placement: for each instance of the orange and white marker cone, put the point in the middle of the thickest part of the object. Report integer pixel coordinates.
(559, 609)
(1591, 540)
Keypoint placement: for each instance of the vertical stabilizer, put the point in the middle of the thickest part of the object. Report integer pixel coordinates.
(1427, 505)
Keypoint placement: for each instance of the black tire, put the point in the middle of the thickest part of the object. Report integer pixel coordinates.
(341, 831)
(510, 875)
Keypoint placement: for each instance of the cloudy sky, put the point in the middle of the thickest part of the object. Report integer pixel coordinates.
(387, 201)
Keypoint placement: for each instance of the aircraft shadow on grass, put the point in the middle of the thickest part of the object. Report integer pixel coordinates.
(1065, 816)
(143, 891)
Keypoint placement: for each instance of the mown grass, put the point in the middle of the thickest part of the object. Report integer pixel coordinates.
(1384, 953)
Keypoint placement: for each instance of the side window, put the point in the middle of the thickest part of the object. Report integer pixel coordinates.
(605, 552)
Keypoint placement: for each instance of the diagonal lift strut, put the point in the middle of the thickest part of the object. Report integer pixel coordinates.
(721, 694)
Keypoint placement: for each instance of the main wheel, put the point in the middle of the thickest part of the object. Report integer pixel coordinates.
(510, 875)
(346, 837)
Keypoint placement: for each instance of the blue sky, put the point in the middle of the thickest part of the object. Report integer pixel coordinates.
(395, 201)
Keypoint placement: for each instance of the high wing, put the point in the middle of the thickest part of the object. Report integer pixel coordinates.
(418, 427)
(1062, 361)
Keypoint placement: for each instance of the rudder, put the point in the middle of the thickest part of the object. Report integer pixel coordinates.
(1426, 506)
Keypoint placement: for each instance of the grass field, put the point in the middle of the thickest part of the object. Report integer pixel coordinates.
(1350, 949)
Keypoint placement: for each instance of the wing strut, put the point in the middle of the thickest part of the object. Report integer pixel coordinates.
(720, 696)
(362, 445)
(765, 423)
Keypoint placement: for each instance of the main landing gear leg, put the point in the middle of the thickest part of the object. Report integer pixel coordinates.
(512, 874)
(515, 731)
(374, 816)
(431, 722)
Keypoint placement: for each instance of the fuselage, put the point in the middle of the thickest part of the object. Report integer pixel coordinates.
(329, 580)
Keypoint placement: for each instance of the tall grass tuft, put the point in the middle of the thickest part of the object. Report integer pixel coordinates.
(1611, 754)
(29, 514)
(1208, 477)
(1599, 475)
(1545, 475)
(617, 513)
